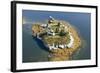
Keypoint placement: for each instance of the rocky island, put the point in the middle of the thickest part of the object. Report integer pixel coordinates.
(59, 36)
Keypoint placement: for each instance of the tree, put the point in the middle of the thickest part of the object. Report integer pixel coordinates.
(62, 33)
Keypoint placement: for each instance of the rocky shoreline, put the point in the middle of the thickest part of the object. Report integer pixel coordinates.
(61, 38)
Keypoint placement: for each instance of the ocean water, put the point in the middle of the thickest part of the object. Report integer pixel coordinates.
(34, 49)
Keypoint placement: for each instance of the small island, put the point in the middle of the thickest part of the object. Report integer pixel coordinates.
(59, 36)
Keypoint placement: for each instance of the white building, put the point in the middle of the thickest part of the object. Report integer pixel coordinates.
(71, 41)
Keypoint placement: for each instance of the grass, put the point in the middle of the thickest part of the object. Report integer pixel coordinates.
(57, 39)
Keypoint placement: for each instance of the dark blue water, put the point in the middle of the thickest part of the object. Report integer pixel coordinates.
(35, 51)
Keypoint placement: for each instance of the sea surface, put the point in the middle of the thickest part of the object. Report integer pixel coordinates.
(34, 49)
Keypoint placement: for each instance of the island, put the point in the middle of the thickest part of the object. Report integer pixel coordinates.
(59, 36)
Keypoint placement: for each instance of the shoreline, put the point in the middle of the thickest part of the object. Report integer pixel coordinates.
(62, 54)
